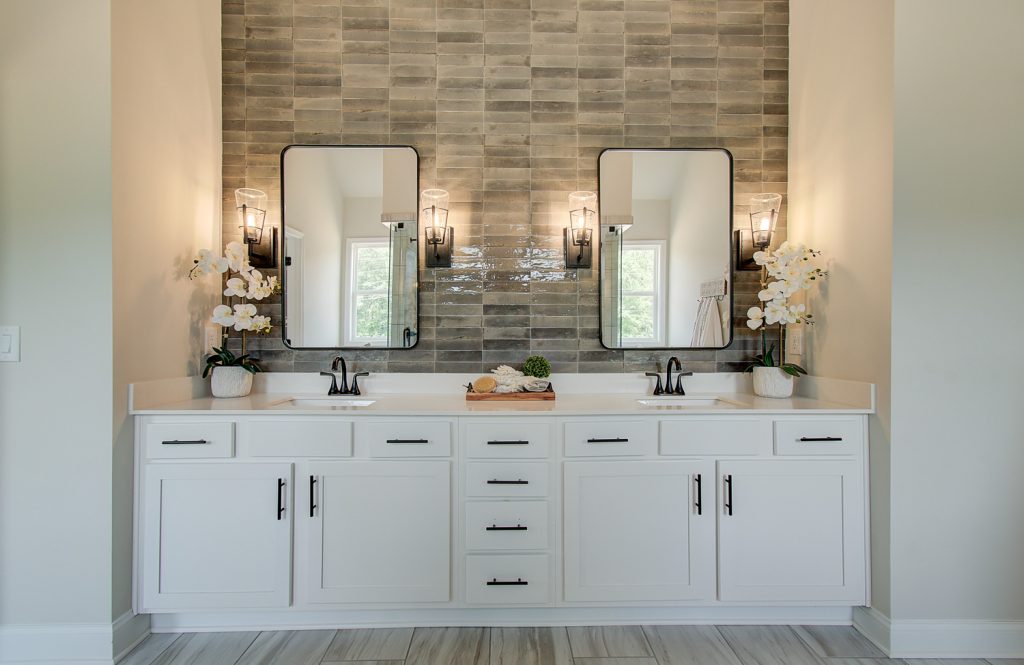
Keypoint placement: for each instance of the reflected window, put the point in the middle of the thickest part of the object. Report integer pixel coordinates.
(370, 262)
(643, 293)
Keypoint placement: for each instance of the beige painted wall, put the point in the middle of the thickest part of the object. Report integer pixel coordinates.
(166, 183)
(840, 201)
(55, 282)
(957, 421)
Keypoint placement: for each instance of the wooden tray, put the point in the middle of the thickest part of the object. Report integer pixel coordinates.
(545, 395)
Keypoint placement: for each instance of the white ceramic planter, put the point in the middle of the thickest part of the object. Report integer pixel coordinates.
(230, 382)
(772, 382)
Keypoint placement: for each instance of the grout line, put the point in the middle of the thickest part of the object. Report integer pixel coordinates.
(725, 639)
(246, 649)
(650, 649)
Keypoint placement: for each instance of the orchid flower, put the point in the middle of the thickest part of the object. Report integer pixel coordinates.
(243, 316)
(755, 318)
(222, 316)
(236, 287)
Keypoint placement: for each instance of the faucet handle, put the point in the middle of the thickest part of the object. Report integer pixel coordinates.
(355, 383)
(333, 390)
(657, 389)
(679, 382)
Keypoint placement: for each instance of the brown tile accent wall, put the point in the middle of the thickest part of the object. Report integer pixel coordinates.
(509, 103)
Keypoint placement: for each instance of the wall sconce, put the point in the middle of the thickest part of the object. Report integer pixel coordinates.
(252, 217)
(764, 215)
(579, 233)
(435, 228)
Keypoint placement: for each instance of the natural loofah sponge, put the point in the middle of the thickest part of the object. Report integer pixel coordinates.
(485, 384)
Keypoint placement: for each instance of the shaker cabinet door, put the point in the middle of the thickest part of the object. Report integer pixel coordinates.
(791, 531)
(216, 535)
(379, 532)
(639, 531)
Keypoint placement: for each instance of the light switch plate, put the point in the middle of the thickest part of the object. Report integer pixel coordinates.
(10, 344)
(795, 341)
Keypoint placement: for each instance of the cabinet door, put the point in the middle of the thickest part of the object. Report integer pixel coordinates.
(639, 531)
(791, 531)
(380, 532)
(216, 535)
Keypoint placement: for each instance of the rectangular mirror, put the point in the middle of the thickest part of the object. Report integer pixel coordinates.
(665, 253)
(350, 264)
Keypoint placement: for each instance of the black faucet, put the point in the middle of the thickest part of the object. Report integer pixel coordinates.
(657, 389)
(337, 363)
(678, 388)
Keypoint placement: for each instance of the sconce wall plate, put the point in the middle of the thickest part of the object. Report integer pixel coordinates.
(744, 251)
(439, 255)
(576, 256)
(264, 255)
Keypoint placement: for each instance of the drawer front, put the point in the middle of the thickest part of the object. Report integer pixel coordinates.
(406, 438)
(506, 525)
(508, 579)
(189, 440)
(820, 436)
(299, 438)
(507, 479)
(508, 440)
(605, 438)
(718, 437)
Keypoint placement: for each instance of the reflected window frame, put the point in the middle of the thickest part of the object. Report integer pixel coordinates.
(353, 292)
(658, 292)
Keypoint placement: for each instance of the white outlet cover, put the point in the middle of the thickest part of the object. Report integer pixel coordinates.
(795, 341)
(10, 344)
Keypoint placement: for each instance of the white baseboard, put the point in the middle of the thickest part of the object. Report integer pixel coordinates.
(56, 644)
(128, 632)
(496, 617)
(941, 639)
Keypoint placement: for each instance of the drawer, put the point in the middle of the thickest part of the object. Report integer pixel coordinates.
(604, 438)
(507, 479)
(189, 440)
(408, 438)
(716, 436)
(506, 525)
(507, 579)
(819, 436)
(328, 437)
(508, 440)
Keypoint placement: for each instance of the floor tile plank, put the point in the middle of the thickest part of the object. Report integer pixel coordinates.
(151, 647)
(837, 642)
(294, 647)
(689, 645)
(369, 644)
(449, 646)
(609, 642)
(616, 661)
(1005, 661)
(206, 649)
(530, 646)
(944, 661)
(864, 661)
(768, 645)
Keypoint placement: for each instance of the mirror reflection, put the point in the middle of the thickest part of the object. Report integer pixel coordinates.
(351, 260)
(666, 269)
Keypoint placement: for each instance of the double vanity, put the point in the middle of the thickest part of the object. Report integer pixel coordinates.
(291, 509)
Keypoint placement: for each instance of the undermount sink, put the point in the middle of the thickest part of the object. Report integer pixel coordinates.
(683, 401)
(326, 403)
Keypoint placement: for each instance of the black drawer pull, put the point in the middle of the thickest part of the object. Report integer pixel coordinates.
(728, 494)
(495, 527)
(280, 497)
(699, 504)
(496, 582)
(176, 442)
(607, 440)
(408, 441)
(821, 438)
(508, 443)
(508, 482)
(312, 496)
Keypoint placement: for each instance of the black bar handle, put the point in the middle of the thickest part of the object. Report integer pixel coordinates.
(312, 496)
(280, 498)
(508, 443)
(495, 527)
(821, 438)
(408, 441)
(508, 482)
(699, 504)
(193, 442)
(496, 582)
(607, 440)
(728, 494)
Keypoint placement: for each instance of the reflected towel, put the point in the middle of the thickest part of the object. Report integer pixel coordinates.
(707, 329)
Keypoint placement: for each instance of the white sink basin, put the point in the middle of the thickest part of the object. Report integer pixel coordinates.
(326, 403)
(683, 402)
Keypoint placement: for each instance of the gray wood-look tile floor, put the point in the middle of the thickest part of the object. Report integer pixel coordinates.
(608, 645)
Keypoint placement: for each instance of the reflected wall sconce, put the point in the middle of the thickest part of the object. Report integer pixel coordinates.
(436, 232)
(579, 234)
(764, 215)
(252, 218)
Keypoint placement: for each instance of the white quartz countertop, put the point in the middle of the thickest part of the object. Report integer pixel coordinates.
(818, 397)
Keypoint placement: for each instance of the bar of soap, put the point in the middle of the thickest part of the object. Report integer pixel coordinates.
(485, 384)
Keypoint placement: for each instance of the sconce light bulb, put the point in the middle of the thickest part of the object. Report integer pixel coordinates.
(766, 223)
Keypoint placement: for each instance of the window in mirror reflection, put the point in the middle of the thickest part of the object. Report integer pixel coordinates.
(643, 293)
(368, 292)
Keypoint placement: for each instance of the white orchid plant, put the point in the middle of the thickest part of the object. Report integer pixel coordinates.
(243, 283)
(785, 272)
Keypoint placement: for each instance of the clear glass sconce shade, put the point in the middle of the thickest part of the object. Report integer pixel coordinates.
(582, 213)
(252, 213)
(435, 214)
(764, 215)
